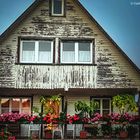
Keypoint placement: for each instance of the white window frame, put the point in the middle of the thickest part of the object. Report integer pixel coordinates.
(52, 9)
(101, 104)
(76, 47)
(20, 105)
(36, 51)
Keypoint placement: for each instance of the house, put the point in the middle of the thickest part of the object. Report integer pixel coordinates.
(55, 47)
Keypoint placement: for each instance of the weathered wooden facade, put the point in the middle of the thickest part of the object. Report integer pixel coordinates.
(108, 72)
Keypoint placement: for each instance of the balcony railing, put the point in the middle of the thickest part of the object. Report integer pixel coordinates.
(70, 131)
(53, 77)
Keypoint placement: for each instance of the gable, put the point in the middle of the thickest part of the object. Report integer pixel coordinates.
(115, 69)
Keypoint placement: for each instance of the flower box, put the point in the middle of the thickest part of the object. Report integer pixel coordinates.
(11, 138)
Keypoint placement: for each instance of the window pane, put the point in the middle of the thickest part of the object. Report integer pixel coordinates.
(84, 52)
(45, 51)
(45, 46)
(106, 104)
(15, 105)
(28, 51)
(98, 101)
(68, 52)
(57, 6)
(83, 46)
(26, 106)
(5, 103)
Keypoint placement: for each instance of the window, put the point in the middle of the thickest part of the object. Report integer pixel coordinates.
(57, 7)
(15, 105)
(104, 105)
(36, 51)
(76, 52)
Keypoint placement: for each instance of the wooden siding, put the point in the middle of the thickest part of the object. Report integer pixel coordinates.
(113, 70)
(36, 102)
(52, 77)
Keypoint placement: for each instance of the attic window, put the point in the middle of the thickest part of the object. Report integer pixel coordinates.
(57, 8)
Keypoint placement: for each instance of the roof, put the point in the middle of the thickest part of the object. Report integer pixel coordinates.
(5, 34)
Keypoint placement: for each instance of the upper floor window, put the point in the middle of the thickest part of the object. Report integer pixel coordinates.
(36, 51)
(76, 52)
(57, 7)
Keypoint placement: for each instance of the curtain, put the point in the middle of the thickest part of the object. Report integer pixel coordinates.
(68, 56)
(28, 56)
(84, 56)
(44, 56)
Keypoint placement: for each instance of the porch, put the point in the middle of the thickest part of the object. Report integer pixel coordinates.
(67, 131)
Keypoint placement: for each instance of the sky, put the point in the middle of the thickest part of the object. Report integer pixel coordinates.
(119, 18)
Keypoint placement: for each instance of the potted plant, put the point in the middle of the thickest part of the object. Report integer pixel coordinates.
(124, 103)
(84, 110)
(51, 106)
(123, 131)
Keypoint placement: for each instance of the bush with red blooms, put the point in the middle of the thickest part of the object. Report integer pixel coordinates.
(77, 119)
(96, 117)
(14, 118)
(121, 118)
(70, 119)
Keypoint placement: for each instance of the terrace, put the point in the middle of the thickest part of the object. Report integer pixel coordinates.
(24, 127)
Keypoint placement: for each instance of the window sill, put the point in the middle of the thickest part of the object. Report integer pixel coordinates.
(62, 64)
(55, 15)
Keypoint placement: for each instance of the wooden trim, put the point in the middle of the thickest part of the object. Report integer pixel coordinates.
(77, 39)
(59, 64)
(31, 104)
(50, 7)
(98, 92)
(65, 5)
(62, 103)
(18, 50)
(36, 38)
(54, 49)
(15, 96)
(59, 52)
(93, 53)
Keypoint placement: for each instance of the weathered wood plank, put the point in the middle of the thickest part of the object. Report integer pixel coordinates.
(51, 77)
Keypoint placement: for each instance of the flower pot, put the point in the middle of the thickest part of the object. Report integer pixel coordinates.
(48, 134)
(83, 134)
(123, 134)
